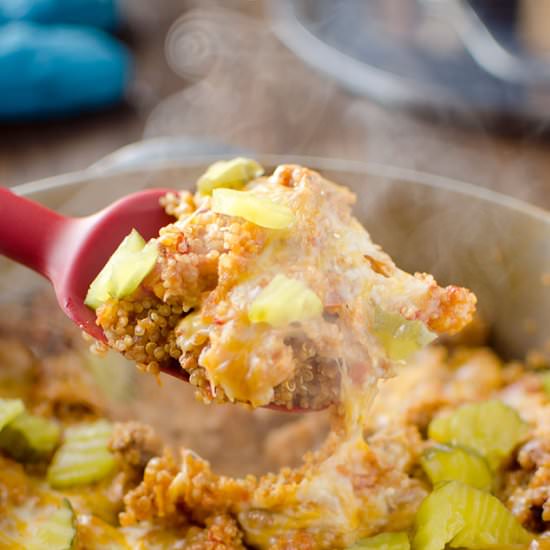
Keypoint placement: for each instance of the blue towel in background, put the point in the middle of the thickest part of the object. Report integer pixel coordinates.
(95, 13)
(58, 69)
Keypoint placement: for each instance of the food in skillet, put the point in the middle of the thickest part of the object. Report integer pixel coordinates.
(435, 468)
(268, 291)
(425, 463)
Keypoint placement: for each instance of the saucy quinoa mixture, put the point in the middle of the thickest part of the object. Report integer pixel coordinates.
(270, 293)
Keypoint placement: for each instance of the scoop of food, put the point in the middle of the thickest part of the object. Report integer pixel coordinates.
(266, 290)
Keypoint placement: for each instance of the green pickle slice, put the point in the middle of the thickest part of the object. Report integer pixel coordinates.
(58, 532)
(84, 456)
(444, 463)
(131, 262)
(128, 274)
(255, 209)
(384, 541)
(490, 428)
(437, 521)
(29, 438)
(284, 301)
(9, 410)
(464, 517)
(399, 336)
(233, 174)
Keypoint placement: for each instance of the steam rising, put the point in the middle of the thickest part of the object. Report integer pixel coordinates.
(191, 49)
(245, 88)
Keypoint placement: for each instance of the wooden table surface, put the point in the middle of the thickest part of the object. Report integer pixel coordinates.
(229, 79)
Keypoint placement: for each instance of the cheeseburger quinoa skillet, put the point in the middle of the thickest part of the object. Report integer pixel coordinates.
(267, 291)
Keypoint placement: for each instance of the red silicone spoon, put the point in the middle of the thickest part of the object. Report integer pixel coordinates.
(70, 252)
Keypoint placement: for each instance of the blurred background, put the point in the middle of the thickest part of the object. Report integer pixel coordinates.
(452, 87)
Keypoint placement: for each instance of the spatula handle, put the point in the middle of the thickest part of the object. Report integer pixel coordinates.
(27, 231)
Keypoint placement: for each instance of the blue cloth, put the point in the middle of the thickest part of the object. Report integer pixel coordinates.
(95, 13)
(53, 70)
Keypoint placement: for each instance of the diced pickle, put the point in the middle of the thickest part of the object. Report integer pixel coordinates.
(9, 409)
(399, 336)
(488, 522)
(438, 519)
(29, 438)
(234, 174)
(131, 262)
(384, 541)
(57, 532)
(464, 517)
(101, 288)
(491, 428)
(444, 463)
(128, 274)
(285, 301)
(258, 210)
(83, 457)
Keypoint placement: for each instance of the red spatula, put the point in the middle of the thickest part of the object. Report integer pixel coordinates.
(70, 252)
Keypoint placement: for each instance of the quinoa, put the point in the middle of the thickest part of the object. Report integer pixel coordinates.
(192, 311)
(142, 328)
(316, 381)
